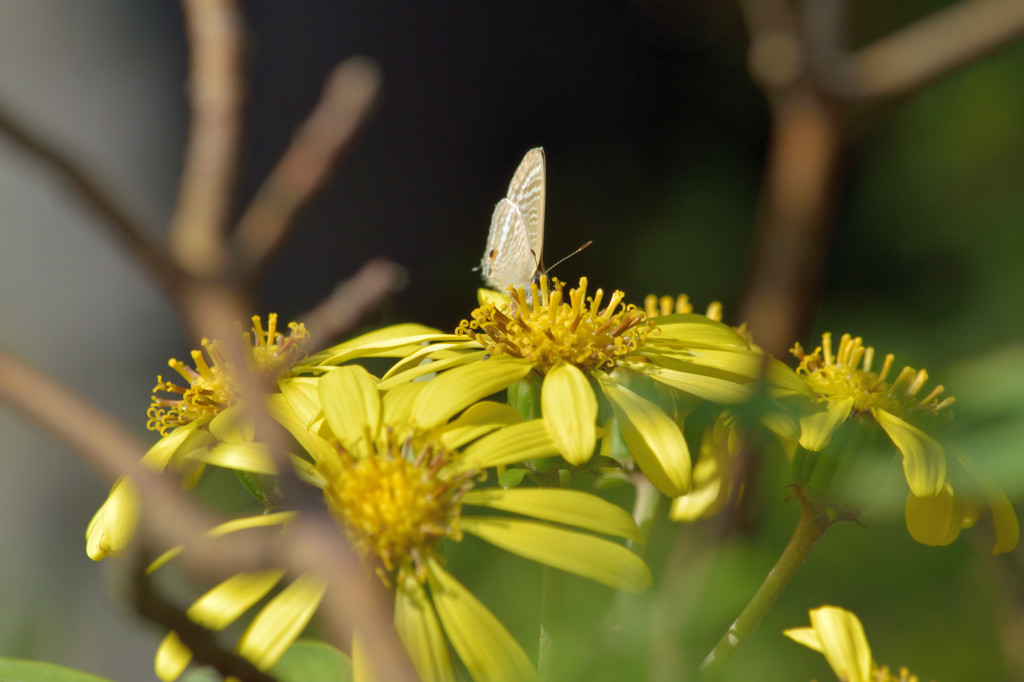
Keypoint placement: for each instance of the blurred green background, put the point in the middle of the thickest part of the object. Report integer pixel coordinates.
(655, 140)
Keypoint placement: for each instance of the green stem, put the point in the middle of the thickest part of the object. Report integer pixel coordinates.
(645, 507)
(552, 622)
(814, 521)
(645, 511)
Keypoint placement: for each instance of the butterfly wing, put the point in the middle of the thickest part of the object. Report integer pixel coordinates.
(527, 191)
(508, 258)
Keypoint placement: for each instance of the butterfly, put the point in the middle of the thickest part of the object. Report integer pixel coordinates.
(516, 239)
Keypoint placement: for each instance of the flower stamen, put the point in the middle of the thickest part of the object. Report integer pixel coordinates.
(547, 330)
(847, 374)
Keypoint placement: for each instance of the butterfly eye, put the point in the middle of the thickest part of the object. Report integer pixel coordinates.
(493, 254)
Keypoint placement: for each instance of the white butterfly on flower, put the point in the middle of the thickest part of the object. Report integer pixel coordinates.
(516, 239)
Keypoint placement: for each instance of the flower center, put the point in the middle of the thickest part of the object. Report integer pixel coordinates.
(547, 329)
(848, 374)
(395, 509)
(210, 388)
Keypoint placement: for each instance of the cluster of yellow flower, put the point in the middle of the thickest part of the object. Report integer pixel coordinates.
(408, 459)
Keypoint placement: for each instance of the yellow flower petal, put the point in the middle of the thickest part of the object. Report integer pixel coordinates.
(172, 657)
(806, 636)
(456, 389)
(843, 642)
(159, 456)
(277, 625)
(933, 520)
(1003, 518)
(510, 445)
(695, 331)
(222, 605)
(113, 525)
(216, 609)
(497, 298)
(352, 406)
(478, 420)
(395, 341)
(571, 507)
(232, 425)
(578, 553)
(302, 395)
(251, 457)
(362, 671)
(924, 460)
(816, 429)
(702, 500)
(397, 403)
(318, 447)
(261, 521)
(420, 631)
(570, 410)
(419, 363)
(653, 439)
(486, 648)
(702, 384)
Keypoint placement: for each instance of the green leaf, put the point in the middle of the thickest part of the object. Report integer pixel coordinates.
(15, 670)
(510, 478)
(309, 659)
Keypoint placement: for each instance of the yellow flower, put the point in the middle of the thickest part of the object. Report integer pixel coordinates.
(839, 635)
(191, 424)
(946, 493)
(936, 520)
(211, 385)
(113, 525)
(398, 486)
(581, 351)
(846, 386)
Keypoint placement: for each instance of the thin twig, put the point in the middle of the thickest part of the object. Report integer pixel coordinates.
(215, 95)
(927, 50)
(351, 300)
(348, 96)
(125, 228)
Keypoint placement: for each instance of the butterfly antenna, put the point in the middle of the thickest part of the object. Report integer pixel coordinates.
(565, 258)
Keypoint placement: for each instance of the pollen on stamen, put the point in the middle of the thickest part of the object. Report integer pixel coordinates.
(547, 329)
(847, 374)
(396, 509)
(210, 387)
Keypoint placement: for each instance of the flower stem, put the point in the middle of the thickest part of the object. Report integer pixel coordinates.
(814, 521)
(552, 622)
(645, 507)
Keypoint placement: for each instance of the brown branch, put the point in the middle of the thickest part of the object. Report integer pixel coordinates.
(927, 50)
(169, 518)
(215, 94)
(115, 217)
(201, 641)
(211, 301)
(348, 96)
(796, 203)
(352, 300)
